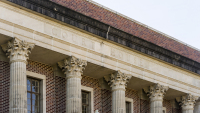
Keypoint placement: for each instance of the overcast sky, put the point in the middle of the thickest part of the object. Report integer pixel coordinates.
(177, 18)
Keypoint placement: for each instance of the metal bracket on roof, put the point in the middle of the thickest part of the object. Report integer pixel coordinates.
(107, 32)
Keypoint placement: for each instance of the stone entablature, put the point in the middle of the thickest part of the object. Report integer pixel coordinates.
(101, 29)
(62, 39)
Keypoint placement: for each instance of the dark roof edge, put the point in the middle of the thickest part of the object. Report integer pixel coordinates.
(71, 17)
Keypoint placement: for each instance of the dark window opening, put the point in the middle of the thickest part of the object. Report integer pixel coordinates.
(85, 102)
(33, 95)
(128, 107)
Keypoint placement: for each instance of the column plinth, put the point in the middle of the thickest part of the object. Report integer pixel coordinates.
(156, 93)
(18, 51)
(187, 103)
(118, 82)
(73, 68)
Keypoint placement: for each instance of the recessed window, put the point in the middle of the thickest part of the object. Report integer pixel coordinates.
(164, 110)
(85, 102)
(128, 107)
(33, 95)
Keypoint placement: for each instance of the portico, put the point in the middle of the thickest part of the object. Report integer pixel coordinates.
(57, 43)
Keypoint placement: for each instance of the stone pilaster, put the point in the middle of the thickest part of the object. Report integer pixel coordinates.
(156, 93)
(118, 82)
(73, 68)
(187, 103)
(18, 51)
(197, 106)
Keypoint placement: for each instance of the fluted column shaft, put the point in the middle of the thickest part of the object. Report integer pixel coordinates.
(156, 105)
(74, 93)
(197, 107)
(18, 91)
(73, 68)
(118, 99)
(187, 109)
(18, 52)
(156, 94)
(118, 82)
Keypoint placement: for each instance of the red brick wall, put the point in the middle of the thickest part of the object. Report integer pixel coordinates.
(106, 101)
(50, 83)
(94, 83)
(128, 26)
(60, 95)
(166, 103)
(175, 110)
(136, 101)
(4, 86)
(144, 106)
(56, 92)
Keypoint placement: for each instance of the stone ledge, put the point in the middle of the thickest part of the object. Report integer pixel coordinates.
(96, 27)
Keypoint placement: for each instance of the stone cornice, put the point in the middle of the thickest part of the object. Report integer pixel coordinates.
(98, 28)
(18, 50)
(156, 90)
(72, 64)
(118, 79)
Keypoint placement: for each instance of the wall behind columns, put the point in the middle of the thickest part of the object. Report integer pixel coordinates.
(144, 106)
(56, 93)
(50, 83)
(4, 86)
(60, 94)
(136, 101)
(94, 83)
(167, 104)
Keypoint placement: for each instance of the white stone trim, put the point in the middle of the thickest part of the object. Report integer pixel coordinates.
(90, 90)
(164, 109)
(42, 89)
(131, 62)
(131, 101)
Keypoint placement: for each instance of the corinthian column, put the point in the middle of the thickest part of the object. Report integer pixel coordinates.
(73, 68)
(197, 106)
(156, 93)
(187, 103)
(118, 82)
(18, 51)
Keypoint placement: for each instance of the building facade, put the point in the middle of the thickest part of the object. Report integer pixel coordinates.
(75, 56)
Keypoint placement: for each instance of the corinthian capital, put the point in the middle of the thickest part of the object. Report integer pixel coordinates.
(118, 79)
(188, 100)
(156, 90)
(18, 50)
(73, 64)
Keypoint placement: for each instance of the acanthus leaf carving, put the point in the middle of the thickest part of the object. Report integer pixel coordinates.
(156, 90)
(73, 64)
(188, 100)
(18, 49)
(118, 79)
